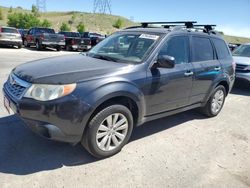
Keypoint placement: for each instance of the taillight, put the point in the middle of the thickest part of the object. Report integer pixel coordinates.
(234, 65)
(42, 37)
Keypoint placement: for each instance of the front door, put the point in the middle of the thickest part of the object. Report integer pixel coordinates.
(170, 88)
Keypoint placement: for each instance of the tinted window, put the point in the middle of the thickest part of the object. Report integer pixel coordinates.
(202, 49)
(45, 30)
(177, 47)
(9, 30)
(221, 49)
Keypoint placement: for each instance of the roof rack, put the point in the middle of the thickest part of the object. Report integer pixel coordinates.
(207, 27)
(188, 24)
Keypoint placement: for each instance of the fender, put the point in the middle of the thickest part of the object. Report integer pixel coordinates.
(224, 78)
(110, 90)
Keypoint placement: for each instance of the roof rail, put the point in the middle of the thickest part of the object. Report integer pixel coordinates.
(207, 27)
(188, 24)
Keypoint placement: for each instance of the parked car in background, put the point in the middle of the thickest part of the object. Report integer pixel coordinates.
(91, 39)
(242, 59)
(44, 37)
(233, 46)
(73, 40)
(134, 76)
(23, 33)
(9, 36)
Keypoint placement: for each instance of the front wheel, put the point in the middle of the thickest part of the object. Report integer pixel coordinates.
(108, 131)
(38, 45)
(58, 48)
(215, 102)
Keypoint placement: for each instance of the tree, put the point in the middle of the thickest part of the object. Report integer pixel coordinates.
(81, 28)
(46, 23)
(26, 21)
(10, 10)
(64, 27)
(35, 10)
(1, 14)
(118, 23)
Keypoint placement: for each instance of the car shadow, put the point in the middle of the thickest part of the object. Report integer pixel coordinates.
(33, 48)
(23, 152)
(241, 88)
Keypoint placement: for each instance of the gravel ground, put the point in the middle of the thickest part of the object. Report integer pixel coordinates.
(184, 150)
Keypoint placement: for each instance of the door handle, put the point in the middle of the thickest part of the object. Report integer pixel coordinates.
(189, 73)
(217, 68)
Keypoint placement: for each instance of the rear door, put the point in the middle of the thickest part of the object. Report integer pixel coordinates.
(206, 67)
(170, 88)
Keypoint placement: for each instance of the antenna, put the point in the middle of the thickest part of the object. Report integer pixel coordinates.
(102, 6)
(41, 5)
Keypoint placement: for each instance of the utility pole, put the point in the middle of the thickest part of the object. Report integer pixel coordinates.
(102, 6)
(41, 5)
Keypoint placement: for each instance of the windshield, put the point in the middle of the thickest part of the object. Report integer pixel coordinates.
(125, 48)
(243, 50)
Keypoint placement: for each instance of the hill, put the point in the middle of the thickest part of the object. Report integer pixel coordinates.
(102, 23)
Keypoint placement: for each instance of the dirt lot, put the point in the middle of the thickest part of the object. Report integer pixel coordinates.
(184, 150)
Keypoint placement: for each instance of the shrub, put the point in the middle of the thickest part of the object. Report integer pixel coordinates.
(64, 27)
(118, 23)
(81, 28)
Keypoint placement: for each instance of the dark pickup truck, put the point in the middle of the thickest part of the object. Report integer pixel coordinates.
(44, 37)
(91, 39)
(73, 40)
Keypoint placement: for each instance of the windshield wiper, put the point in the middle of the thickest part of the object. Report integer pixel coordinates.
(103, 57)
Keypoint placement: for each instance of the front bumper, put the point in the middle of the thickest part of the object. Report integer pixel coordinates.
(85, 47)
(61, 119)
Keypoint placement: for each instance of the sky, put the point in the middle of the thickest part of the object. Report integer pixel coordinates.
(231, 16)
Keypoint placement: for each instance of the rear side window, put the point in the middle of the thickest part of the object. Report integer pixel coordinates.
(221, 49)
(202, 49)
(177, 47)
(9, 30)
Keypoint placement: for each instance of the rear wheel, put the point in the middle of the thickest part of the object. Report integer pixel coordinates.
(58, 48)
(19, 46)
(38, 45)
(215, 102)
(26, 43)
(108, 131)
(68, 48)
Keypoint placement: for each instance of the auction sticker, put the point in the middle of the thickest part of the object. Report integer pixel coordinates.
(148, 36)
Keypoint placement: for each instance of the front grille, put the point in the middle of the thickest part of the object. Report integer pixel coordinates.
(15, 86)
(242, 68)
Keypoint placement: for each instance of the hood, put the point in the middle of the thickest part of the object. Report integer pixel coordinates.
(66, 69)
(242, 60)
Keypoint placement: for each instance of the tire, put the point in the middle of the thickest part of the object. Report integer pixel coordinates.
(38, 45)
(112, 137)
(68, 48)
(19, 46)
(26, 44)
(58, 48)
(215, 102)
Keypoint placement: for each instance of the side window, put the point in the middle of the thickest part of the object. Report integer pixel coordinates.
(177, 47)
(202, 49)
(221, 49)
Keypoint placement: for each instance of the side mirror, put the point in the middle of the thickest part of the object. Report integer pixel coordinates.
(165, 61)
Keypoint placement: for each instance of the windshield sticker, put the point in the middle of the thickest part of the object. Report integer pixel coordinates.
(147, 36)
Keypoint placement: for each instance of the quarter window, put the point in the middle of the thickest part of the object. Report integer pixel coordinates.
(221, 49)
(177, 47)
(202, 49)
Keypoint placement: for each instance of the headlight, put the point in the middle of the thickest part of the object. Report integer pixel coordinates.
(44, 92)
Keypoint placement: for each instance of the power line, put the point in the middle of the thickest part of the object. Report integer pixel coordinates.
(102, 6)
(41, 5)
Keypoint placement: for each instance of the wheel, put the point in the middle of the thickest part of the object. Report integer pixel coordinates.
(68, 48)
(58, 48)
(19, 46)
(215, 102)
(26, 43)
(108, 131)
(38, 45)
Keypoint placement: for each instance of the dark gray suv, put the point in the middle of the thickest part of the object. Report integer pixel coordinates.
(134, 76)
